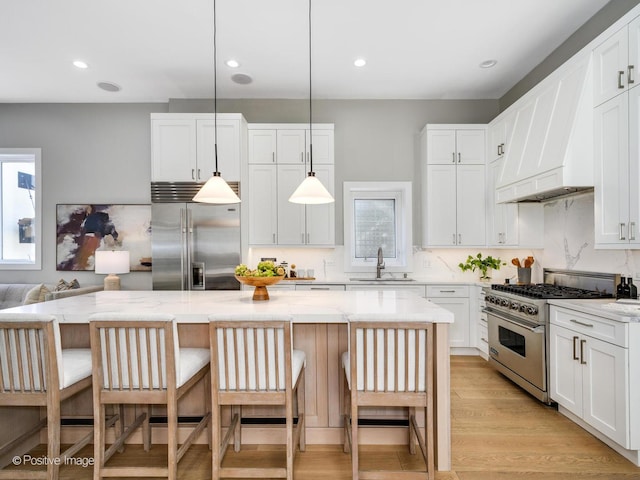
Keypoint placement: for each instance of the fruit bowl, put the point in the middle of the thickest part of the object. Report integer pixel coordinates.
(261, 283)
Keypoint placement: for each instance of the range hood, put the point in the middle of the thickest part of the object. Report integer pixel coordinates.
(549, 153)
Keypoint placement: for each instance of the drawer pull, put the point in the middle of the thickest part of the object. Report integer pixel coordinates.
(447, 291)
(484, 340)
(590, 325)
(320, 288)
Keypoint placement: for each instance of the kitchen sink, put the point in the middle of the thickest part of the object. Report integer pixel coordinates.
(382, 279)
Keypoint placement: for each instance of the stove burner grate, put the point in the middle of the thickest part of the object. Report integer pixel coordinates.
(549, 291)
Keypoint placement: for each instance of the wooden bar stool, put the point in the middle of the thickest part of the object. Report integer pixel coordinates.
(137, 360)
(256, 365)
(389, 364)
(35, 371)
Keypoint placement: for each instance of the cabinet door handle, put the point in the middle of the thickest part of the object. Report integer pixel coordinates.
(453, 157)
(198, 174)
(630, 80)
(621, 236)
(620, 74)
(632, 230)
(273, 157)
(573, 320)
(499, 149)
(308, 238)
(459, 157)
(459, 239)
(582, 360)
(575, 348)
(302, 237)
(302, 157)
(274, 238)
(193, 174)
(454, 239)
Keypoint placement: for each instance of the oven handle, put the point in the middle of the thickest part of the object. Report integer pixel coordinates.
(514, 321)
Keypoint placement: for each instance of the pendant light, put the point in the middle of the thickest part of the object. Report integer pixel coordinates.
(311, 191)
(216, 190)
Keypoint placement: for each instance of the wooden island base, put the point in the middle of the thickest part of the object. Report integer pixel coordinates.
(323, 344)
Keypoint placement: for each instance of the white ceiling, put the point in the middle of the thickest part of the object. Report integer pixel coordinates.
(161, 49)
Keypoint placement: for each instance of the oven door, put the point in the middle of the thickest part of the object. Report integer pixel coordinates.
(519, 346)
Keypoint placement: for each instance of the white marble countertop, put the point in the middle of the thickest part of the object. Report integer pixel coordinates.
(196, 306)
(607, 308)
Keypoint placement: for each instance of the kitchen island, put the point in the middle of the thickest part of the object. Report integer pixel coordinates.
(320, 329)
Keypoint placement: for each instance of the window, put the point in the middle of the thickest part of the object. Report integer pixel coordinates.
(20, 212)
(377, 215)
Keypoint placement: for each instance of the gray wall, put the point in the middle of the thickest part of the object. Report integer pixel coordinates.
(100, 153)
(597, 24)
(91, 153)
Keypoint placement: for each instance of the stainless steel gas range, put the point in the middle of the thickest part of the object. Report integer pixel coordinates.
(518, 323)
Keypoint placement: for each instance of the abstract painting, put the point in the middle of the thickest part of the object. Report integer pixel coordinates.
(83, 229)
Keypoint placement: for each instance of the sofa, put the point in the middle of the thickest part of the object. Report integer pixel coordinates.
(16, 294)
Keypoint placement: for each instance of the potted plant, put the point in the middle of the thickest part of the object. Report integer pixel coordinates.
(483, 264)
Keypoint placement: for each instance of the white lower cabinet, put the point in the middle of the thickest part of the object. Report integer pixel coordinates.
(315, 286)
(589, 376)
(482, 332)
(454, 298)
(417, 289)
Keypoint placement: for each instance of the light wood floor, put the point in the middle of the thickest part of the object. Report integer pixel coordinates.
(499, 433)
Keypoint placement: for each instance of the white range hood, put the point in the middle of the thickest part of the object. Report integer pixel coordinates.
(549, 151)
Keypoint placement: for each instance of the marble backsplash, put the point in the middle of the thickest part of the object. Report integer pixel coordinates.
(569, 244)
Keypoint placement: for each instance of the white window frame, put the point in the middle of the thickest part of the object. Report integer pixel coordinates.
(22, 154)
(401, 260)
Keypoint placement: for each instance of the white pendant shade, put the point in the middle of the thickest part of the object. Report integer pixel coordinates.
(311, 192)
(216, 190)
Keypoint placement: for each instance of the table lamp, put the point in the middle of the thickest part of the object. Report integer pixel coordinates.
(111, 262)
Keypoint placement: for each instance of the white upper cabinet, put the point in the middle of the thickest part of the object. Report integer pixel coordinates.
(499, 133)
(263, 208)
(454, 185)
(229, 148)
(182, 146)
(285, 150)
(447, 146)
(262, 146)
(617, 194)
(291, 146)
(617, 144)
(173, 149)
(616, 63)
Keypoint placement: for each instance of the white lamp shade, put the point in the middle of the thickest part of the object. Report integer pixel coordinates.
(111, 261)
(216, 190)
(311, 192)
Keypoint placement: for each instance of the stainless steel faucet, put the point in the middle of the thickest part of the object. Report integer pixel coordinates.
(380, 264)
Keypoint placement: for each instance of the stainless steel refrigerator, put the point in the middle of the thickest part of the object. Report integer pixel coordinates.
(195, 246)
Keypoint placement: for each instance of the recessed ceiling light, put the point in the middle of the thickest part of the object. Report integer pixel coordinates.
(360, 62)
(233, 63)
(80, 64)
(488, 63)
(109, 86)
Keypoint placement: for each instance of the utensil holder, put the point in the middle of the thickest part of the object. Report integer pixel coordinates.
(524, 275)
